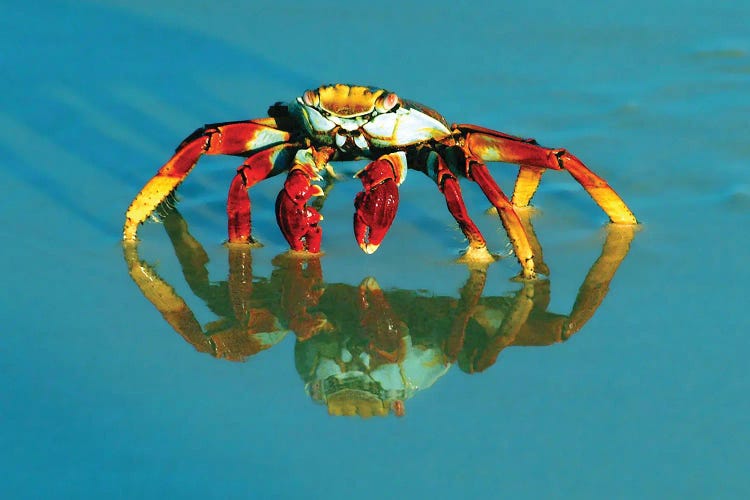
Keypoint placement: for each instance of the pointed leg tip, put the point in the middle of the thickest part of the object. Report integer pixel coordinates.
(477, 255)
(370, 284)
(625, 220)
(368, 248)
(242, 244)
(525, 275)
(302, 254)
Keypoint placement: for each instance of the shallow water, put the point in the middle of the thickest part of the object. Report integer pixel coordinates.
(103, 396)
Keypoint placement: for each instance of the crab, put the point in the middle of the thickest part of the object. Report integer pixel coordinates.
(350, 122)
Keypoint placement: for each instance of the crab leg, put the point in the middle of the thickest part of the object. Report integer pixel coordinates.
(527, 183)
(232, 138)
(257, 167)
(448, 184)
(376, 206)
(478, 172)
(490, 145)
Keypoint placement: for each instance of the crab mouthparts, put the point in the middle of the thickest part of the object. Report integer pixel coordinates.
(348, 140)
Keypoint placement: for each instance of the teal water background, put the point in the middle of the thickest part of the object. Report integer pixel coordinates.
(101, 398)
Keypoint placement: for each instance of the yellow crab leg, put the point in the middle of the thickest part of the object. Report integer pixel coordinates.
(527, 183)
(232, 138)
(491, 145)
(478, 172)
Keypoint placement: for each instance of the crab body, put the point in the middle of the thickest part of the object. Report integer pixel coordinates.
(362, 122)
(345, 122)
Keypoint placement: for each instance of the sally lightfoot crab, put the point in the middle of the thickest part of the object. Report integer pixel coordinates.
(346, 122)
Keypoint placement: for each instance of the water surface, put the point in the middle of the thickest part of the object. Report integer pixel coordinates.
(647, 398)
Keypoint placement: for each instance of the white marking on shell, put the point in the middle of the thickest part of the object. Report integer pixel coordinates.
(403, 128)
(350, 125)
(361, 142)
(316, 121)
(400, 166)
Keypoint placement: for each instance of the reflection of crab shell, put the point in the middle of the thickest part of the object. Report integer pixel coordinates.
(420, 368)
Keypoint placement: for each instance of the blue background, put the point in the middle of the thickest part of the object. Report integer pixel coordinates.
(101, 398)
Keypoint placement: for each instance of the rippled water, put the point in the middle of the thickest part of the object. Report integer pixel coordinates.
(622, 375)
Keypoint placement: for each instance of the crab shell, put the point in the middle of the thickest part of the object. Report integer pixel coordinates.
(350, 386)
(356, 119)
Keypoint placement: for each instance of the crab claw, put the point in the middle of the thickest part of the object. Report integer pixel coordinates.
(376, 206)
(297, 221)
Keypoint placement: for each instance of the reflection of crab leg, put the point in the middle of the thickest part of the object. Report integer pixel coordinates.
(234, 336)
(545, 328)
(596, 284)
(470, 294)
(171, 306)
(376, 206)
(234, 138)
(490, 145)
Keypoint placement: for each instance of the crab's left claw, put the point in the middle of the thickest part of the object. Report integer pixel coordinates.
(376, 206)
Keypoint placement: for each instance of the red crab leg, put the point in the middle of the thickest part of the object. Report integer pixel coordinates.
(233, 138)
(436, 168)
(376, 206)
(490, 145)
(257, 167)
(478, 172)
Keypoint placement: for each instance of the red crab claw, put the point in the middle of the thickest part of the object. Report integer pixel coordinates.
(297, 221)
(376, 206)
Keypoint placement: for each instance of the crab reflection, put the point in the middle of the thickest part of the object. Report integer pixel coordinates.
(361, 350)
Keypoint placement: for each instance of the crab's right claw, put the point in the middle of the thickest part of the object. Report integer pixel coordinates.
(376, 206)
(297, 221)
(376, 209)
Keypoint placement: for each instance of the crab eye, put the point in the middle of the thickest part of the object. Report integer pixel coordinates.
(386, 103)
(310, 98)
(324, 113)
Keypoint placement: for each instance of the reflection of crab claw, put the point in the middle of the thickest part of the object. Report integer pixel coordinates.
(307, 328)
(376, 206)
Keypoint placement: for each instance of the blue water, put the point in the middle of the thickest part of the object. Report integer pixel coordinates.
(101, 397)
